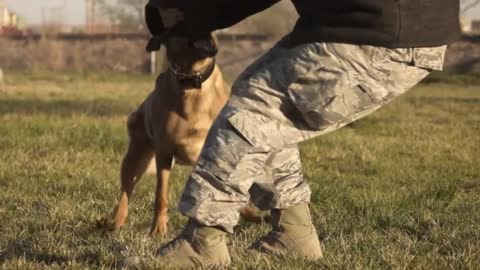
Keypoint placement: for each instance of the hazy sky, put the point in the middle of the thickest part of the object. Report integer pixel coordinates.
(32, 9)
(75, 9)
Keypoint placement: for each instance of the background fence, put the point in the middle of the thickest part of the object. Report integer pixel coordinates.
(126, 52)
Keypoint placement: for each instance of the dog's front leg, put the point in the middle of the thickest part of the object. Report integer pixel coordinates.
(160, 218)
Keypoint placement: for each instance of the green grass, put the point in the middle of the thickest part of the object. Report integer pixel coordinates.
(399, 189)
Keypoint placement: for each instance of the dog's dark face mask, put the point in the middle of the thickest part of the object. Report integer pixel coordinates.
(179, 45)
(184, 51)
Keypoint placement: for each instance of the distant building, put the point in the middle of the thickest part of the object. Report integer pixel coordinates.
(469, 26)
(476, 26)
(6, 17)
(466, 25)
(3, 13)
(10, 22)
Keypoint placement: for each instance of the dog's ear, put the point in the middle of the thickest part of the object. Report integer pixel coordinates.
(156, 28)
(156, 42)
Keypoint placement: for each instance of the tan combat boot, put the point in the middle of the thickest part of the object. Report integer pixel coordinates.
(196, 246)
(293, 233)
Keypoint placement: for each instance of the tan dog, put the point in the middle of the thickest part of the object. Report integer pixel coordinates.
(2, 81)
(172, 124)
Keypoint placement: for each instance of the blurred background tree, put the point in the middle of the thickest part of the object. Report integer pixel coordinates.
(468, 5)
(126, 14)
(275, 21)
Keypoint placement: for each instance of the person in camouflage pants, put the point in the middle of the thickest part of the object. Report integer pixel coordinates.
(286, 97)
(342, 61)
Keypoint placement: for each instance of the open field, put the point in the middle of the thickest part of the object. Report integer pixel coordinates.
(397, 190)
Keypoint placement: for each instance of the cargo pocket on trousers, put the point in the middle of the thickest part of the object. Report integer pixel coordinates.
(429, 58)
(328, 97)
(258, 130)
(223, 150)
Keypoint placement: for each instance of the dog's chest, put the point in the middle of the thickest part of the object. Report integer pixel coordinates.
(180, 122)
(188, 136)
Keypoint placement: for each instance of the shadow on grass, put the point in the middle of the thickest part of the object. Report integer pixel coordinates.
(30, 250)
(43, 258)
(64, 107)
(436, 100)
(92, 258)
(451, 77)
(24, 249)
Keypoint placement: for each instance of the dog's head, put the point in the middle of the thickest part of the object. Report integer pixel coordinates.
(185, 49)
(179, 45)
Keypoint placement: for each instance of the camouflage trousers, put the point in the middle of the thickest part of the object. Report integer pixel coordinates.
(288, 96)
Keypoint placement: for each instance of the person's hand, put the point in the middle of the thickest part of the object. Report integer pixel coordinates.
(170, 16)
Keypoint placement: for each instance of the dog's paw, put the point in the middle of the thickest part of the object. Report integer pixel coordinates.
(106, 225)
(159, 229)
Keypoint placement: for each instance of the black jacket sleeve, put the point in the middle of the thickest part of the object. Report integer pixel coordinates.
(202, 16)
(223, 13)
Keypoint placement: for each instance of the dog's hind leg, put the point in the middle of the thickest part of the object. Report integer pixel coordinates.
(160, 218)
(2, 82)
(134, 164)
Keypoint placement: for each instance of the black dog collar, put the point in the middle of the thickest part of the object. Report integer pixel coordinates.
(194, 79)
